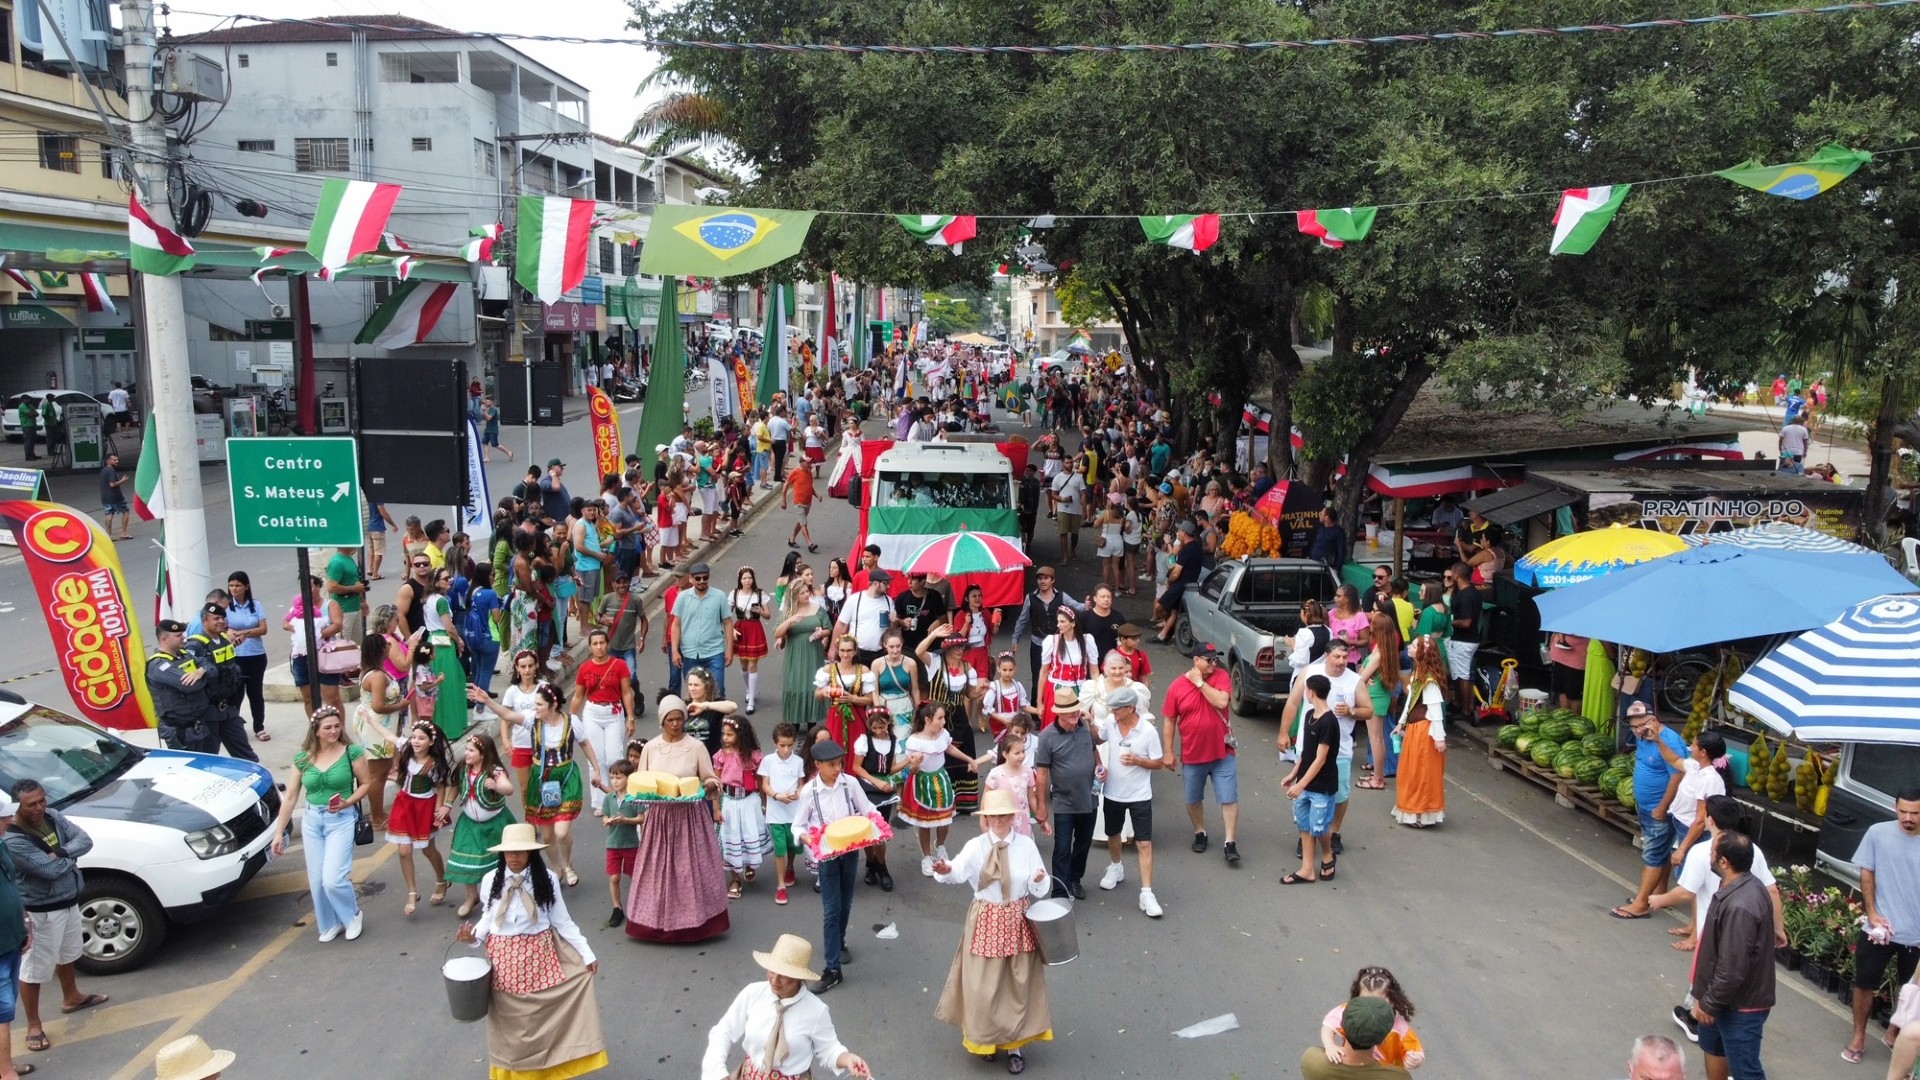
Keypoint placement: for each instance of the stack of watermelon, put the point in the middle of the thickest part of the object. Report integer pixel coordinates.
(1561, 740)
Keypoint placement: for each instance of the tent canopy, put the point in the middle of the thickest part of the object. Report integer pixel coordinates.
(1856, 679)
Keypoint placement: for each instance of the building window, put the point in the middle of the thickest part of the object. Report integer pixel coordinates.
(423, 144)
(629, 259)
(333, 59)
(320, 155)
(483, 160)
(243, 59)
(420, 67)
(383, 290)
(606, 255)
(256, 146)
(59, 152)
(109, 168)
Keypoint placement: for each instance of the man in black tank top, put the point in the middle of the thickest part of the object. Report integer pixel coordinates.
(412, 598)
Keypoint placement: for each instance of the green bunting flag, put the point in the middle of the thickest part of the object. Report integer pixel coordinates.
(1799, 179)
(1338, 228)
(940, 230)
(1194, 232)
(721, 241)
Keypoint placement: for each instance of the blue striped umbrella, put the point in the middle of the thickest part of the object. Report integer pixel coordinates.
(1856, 679)
(1777, 536)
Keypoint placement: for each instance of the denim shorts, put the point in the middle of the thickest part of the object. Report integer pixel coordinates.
(1656, 848)
(1226, 780)
(1344, 790)
(1313, 813)
(10, 983)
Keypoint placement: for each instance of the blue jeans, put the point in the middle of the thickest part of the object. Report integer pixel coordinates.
(1736, 1037)
(1656, 847)
(762, 465)
(632, 657)
(837, 879)
(10, 983)
(716, 665)
(328, 840)
(1313, 813)
(482, 654)
(1226, 780)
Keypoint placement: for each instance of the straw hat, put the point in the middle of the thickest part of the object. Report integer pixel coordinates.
(996, 802)
(791, 956)
(1065, 702)
(190, 1058)
(519, 837)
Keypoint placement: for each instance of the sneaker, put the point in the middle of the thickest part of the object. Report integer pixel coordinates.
(1116, 873)
(1687, 1023)
(926, 865)
(789, 882)
(617, 918)
(1199, 842)
(1338, 847)
(780, 895)
(829, 979)
(329, 935)
(1232, 852)
(940, 854)
(358, 924)
(1148, 904)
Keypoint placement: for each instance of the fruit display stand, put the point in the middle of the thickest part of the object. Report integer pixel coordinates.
(1562, 752)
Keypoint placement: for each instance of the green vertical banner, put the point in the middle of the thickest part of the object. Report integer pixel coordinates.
(857, 355)
(661, 419)
(773, 349)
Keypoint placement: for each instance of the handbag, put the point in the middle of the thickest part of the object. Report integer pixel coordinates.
(362, 825)
(339, 657)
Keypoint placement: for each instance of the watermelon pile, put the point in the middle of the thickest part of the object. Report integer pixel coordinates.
(1509, 735)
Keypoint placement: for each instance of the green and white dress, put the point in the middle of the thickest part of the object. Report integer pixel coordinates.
(483, 820)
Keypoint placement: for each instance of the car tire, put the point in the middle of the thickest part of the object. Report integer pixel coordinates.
(122, 925)
(1183, 635)
(1237, 700)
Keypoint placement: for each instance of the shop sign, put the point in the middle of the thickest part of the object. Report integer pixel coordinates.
(565, 317)
(106, 339)
(33, 317)
(1836, 512)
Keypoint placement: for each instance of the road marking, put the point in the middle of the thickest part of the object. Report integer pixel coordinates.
(1825, 1001)
(213, 995)
(98, 1023)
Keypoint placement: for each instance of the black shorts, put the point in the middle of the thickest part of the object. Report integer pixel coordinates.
(1569, 681)
(1142, 811)
(1870, 962)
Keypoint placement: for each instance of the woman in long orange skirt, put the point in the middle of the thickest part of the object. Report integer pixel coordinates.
(1420, 796)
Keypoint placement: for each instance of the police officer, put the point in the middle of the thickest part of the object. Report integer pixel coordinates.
(179, 685)
(225, 681)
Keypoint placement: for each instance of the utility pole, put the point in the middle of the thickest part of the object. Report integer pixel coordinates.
(164, 312)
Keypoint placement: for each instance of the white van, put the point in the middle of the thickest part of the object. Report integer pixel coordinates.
(175, 834)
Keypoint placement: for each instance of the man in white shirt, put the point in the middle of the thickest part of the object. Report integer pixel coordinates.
(866, 615)
(1069, 490)
(121, 405)
(825, 799)
(1349, 705)
(782, 1027)
(1133, 753)
(782, 431)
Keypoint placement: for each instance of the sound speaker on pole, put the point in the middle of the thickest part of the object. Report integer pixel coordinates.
(413, 430)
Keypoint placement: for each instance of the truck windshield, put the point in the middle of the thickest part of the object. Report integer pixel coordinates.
(944, 489)
(68, 758)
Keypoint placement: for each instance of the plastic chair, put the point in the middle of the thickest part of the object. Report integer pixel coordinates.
(1910, 546)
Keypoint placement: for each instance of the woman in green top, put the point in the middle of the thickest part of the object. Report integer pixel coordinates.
(1435, 620)
(333, 775)
(804, 629)
(481, 816)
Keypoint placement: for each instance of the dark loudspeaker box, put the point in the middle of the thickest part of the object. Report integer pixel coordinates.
(413, 430)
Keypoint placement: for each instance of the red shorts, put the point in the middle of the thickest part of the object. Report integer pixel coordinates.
(522, 757)
(620, 860)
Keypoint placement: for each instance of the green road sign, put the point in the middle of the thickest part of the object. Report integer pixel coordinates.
(295, 492)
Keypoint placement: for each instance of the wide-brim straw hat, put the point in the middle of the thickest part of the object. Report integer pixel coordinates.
(1066, 702)
(791, 956)
(519, 837)
(996, 802)
(190, 1058)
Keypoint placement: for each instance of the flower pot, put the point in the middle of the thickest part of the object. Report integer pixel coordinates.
(1794, 960)
(1815, 972)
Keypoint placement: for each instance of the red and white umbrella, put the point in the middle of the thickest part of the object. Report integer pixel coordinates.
(966, 552)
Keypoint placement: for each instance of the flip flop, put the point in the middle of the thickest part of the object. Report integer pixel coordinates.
(1296, 879)
(23, 1069)
(1851, 1056)
(1621, 912)
(87, 1002)
(1326, 871)
(38, 1042)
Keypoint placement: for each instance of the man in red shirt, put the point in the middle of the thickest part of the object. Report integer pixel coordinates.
(800, 490)
(1196, 709)
(682, 579)
(869, 561)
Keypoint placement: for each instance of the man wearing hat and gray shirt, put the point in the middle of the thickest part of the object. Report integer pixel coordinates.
(179, 685)
(703, 628)
(1065, 766)
(1364, 1024)
(825, 799)
(1134, 753)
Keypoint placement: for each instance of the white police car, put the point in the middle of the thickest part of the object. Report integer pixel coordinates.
(175, 834)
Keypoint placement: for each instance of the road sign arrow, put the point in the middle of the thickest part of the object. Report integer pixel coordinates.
(340, 491)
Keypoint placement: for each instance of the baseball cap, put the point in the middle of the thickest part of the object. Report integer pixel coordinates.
(551, 462)
(1639, 708)
(7, 806)
(1366, 1022)
(1208, 650)
(659, 448)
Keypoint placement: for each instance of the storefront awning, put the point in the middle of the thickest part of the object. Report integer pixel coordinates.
(1522, 501)
(33, 317)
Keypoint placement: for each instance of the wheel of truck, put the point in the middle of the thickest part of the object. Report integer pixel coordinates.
(121, 925)
(1238, 700)
(1683, 675)
(1183, 635)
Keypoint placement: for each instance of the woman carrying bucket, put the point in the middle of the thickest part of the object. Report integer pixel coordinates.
(543, 1018)
(996, 991)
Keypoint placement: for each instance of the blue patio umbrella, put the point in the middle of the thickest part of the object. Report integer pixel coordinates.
(1717, 593)
(1856, 679)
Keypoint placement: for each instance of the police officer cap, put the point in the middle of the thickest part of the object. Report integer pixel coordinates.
(170, 626)
(211, 610)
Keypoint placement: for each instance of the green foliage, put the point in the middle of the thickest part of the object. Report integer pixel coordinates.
(948, 315)
(1081, 301)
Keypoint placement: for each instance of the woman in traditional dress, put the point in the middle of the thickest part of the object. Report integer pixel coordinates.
(451, 710)
(1420, 796)
(783, 1029)
(422, 805)
(847, 688)
(896, 678)
(543, 1017)
(554, 790)
(750, 607)
(679, 882)
(803, 632)
(977, 625)
(953, 683)
(481, 816)
(996, 991)
(1067, 659)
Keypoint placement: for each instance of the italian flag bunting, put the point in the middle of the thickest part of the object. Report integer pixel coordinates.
(98, 299)
(1583, 215)
(1194, 232)
(480, 248)
(407, 316)
(154, 248)
(148, 502)
(550, 256)
(1338, 228)
(350, 221)
(940, 230)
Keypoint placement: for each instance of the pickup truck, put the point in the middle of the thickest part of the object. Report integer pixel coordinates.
(1250, 610)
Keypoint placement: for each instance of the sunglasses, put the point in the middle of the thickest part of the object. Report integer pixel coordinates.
(421, 565)
(699, 577)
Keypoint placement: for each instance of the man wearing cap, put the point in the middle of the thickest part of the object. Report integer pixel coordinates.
(1187, 564)
(225, 681)
(46, 847)
(179, 685)
(1065, 766)
(703, 629)
(1655, 783)
(1364, 1024)
(1134, 754)
(1195, 718)
(825, 799)
(866, 615)
(555, 500)
(13, 941)
(783, 1029)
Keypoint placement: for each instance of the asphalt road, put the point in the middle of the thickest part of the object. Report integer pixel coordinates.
(1495, 923)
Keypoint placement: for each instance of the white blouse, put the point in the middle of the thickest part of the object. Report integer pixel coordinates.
(1094, 696)
(1023, 858)
(513, 919)
(812, 1044)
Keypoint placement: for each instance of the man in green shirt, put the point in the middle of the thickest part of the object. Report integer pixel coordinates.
(29, 425)
(344, 585)
(1364, 1024)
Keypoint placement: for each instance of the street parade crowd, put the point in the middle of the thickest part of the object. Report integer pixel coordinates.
(898, 709)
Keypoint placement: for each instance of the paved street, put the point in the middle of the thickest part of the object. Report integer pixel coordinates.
(1495, 923)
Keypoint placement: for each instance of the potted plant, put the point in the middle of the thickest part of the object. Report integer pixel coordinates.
(1795, 883)
(1828, 938)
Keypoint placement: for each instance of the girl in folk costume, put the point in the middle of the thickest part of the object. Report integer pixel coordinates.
(482, 787)
(975, 625)
(927, 801)
(515, 708)
(1005, 697)
(897, 679)
(951, 682)
(750, 607)
(848, 688)
(424, 682)
(554, 789)
(422, 804)
(1420, 796)
(878, 762)
(996, 991)
(744, 839)
(1020, 782)
(1067, 659)
(543, 1017)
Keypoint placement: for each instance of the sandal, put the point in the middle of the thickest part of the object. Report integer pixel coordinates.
(1622, 912)
(1847, 1054)
(413, 903)
(1326, 871)
(733, 890)
(87, 1002)
(749, 873)
(263, 736)
(570, 878)
(1296, 879)
(38, 1041)
(439, 893)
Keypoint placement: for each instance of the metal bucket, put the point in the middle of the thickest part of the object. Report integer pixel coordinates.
(469, 982)
(1053, 931)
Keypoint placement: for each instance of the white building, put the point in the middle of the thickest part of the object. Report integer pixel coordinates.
(1038, 326)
